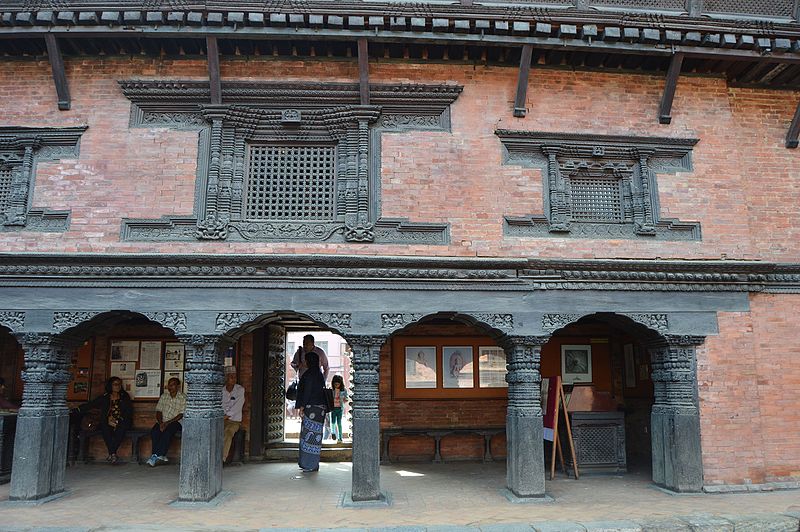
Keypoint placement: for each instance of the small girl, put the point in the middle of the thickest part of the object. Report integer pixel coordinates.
(339, 399)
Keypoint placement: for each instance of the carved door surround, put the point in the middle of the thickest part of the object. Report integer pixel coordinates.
(20, 149)
(292, 115)
(600, 164)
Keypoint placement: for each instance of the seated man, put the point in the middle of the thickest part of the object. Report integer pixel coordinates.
(169, 412)
(232, 403)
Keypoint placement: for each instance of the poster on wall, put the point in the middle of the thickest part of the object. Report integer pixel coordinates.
(576, 363)
(148, 384)
(123, 370)
(492, 367)
(151, 355)
(173, 356)
(127, 350)
(457, 367)
(420, 367)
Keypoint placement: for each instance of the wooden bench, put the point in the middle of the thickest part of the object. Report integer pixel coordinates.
(437, 434)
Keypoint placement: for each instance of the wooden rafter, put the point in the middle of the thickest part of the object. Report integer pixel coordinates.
(363, 71)
(794, 130)
(213, 70)
(59, 76)
(665, 109)
(522, 80)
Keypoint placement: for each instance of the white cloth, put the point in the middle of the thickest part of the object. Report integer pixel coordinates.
(233, 401)
(171, 406)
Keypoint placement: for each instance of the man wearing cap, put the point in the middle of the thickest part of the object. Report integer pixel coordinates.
(232, 403)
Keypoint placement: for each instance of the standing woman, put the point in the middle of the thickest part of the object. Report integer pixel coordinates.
(116, 415)
(311, 403)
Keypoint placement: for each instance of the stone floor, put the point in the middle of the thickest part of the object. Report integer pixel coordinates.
(278, 495)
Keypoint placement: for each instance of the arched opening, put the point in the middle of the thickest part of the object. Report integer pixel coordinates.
(11, 363)
(605, 367)
(443, 394)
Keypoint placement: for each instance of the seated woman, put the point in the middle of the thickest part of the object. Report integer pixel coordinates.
(116, 415)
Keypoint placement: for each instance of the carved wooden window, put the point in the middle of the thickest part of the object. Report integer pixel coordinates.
(596, 198)
(5, 186)
(21, 148)
(598, 186)
(291, 183)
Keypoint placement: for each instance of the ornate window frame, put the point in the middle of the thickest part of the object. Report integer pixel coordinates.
(21, 148)
(290, 114)
(633, 160)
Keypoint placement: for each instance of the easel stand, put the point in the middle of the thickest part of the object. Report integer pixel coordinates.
(562, 403)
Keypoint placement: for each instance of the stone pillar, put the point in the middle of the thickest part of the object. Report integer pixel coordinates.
(201, 444)
(366, 417)
(40, 446)
(675, 419)
(524, 434)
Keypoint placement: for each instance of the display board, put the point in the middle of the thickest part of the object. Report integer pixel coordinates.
(80, 369)
(146, 365)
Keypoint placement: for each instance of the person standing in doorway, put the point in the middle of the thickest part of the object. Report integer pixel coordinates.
(169, 412)
(311, 404)
(299, 360)
(232, 403)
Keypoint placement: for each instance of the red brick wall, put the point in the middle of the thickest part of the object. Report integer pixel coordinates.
(749, 379)
(149, 172)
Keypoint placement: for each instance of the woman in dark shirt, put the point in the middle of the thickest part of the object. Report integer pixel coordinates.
(116, 415)
(311, 403)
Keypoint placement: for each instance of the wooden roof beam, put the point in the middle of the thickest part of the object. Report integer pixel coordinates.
(212, 52)
(665, 109)
(59, 76)
(363, 70)
(794, 130)
(522, 81)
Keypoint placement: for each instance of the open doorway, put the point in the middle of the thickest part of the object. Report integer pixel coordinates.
(339, 357)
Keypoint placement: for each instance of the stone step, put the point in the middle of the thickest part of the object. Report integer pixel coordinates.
(287, 452)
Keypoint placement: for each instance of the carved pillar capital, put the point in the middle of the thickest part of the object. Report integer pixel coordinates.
(204, 375)
(366, 371)
(523, 356)
(674, 374)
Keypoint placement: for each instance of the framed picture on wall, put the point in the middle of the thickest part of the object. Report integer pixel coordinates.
(576, 363)
(457, 367)
(420, 367)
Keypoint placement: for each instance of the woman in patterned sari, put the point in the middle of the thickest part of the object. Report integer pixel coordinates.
(311, 403)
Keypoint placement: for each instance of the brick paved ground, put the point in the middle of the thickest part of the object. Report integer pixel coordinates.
(266, 495)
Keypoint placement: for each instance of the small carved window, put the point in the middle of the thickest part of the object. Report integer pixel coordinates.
(596, 198)
(291, 183)
(6, 176)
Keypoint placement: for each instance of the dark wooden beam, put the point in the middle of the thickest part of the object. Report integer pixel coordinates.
(794, 129)
(363, 71)
(664, 111)
(59, 77)
(522, 80)
(212, 52)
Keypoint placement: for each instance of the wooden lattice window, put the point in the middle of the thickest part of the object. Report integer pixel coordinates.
(6, 176)
(596, 199)
(291, 182)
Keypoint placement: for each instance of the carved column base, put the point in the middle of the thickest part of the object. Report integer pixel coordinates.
(40, 456)
(366, 460)
(201, 459)
(525, 459)
(677, 461)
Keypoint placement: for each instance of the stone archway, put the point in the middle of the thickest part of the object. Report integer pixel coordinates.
(674, 418)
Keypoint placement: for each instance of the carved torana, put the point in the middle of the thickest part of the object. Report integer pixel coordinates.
(599, 186)
(498, 321)
(340, 321)
(171, 320)
(392, 322)
(65, 320)
(12, 319)
(657, 322)
(552, 322)
(227, 321)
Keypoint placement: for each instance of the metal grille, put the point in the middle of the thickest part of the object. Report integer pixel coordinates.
(598, 445)
(596, 199)
(770, 8)
(291, 183)
(5, 188)
(661, 5)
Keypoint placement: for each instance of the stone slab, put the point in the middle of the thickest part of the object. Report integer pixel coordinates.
(213, 503)
(346, 501)
(612, 526)
(511, 497)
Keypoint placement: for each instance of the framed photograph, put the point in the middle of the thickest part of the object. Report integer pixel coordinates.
(492, 367)
(125, 350)
(173, 356)
(630, 366)
(576, 363)
(457, 367)
(420, 367)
